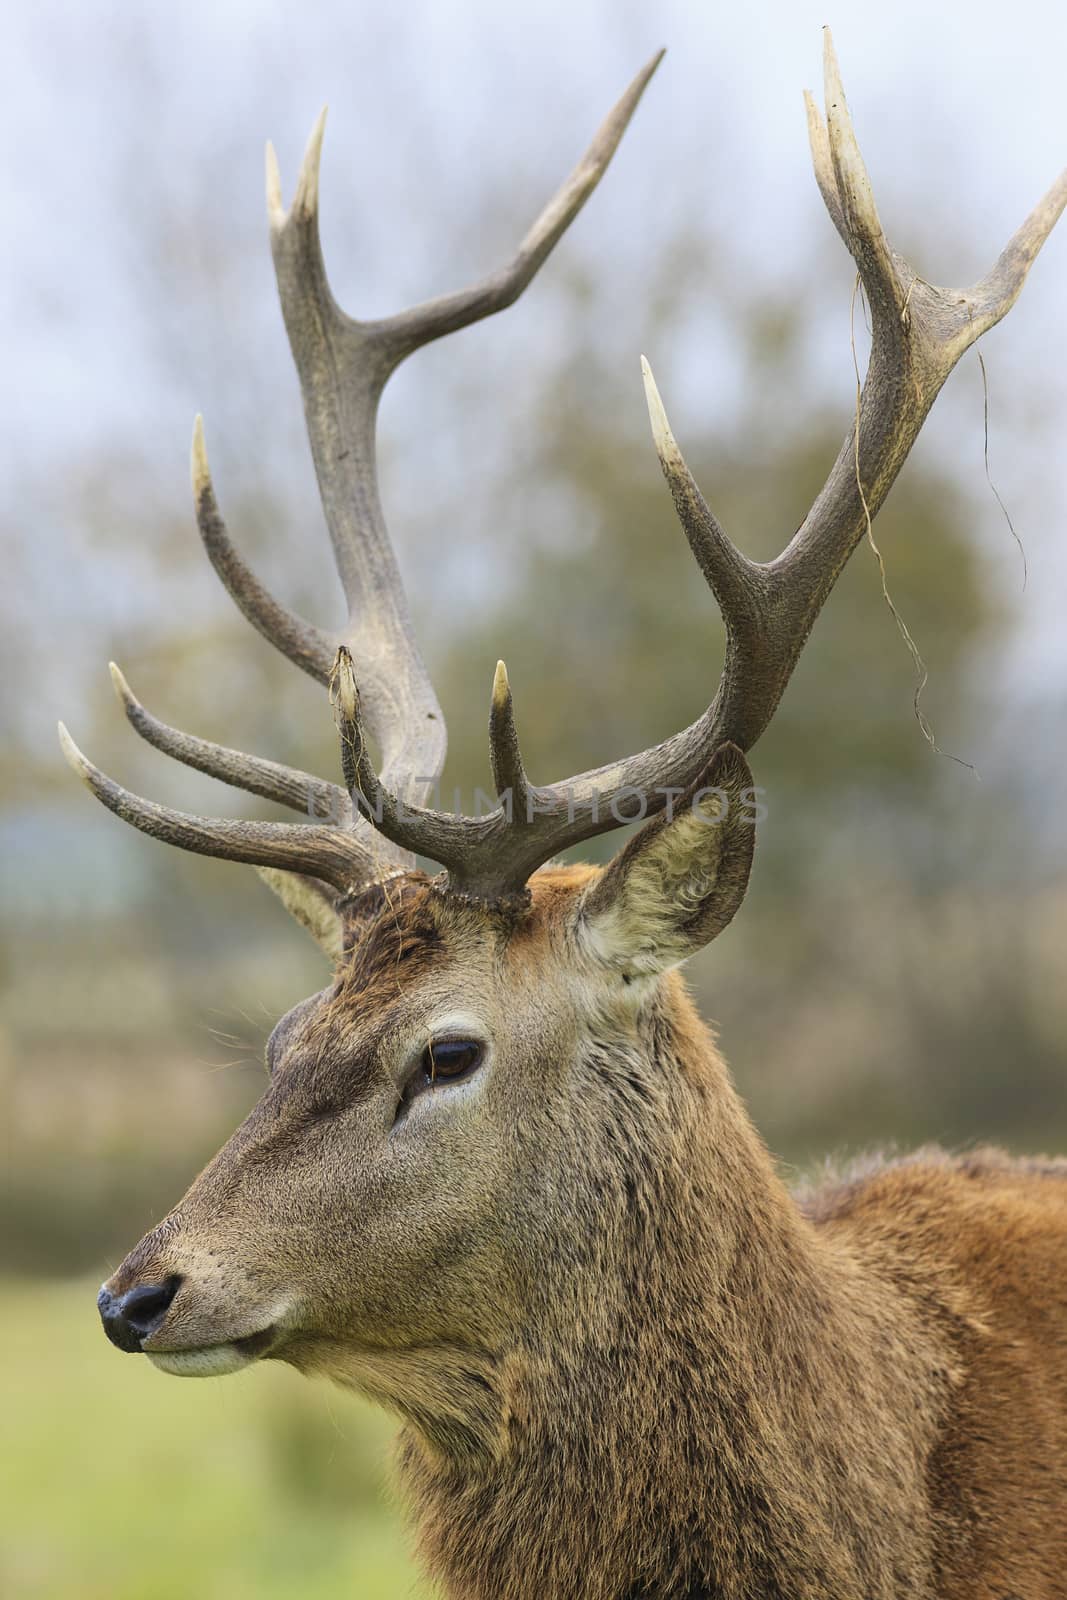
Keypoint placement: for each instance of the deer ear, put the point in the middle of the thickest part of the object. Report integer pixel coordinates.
(312, 903)
(678, 882)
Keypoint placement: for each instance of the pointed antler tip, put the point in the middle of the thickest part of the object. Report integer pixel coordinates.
(657, 416)
(501, 686)
(73, 755)
(307, 187)
(818, 141)
(640, 83)
(505, 756)
(834, 88)
(318, 133)
(839, 156)
(819, 144)
(199, 469)
(122, 688)
(275, 204)
(345, 679)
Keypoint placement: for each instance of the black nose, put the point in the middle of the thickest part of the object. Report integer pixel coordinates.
(129, 1318)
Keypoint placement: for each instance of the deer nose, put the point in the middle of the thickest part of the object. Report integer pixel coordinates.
(129, 1318)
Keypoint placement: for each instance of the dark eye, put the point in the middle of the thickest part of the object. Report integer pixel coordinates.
(442, 1061)
(445, 1060)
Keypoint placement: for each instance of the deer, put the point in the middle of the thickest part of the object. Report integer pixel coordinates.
(499, 1180)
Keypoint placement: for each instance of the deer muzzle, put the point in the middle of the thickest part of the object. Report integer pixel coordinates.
(190, 1320)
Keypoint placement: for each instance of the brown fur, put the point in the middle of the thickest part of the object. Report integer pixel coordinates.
(629, 1364)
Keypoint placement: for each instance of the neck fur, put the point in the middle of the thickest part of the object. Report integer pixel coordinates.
(718, 1401)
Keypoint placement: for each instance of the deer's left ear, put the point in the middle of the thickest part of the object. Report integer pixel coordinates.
(678, 882)
(312, 903)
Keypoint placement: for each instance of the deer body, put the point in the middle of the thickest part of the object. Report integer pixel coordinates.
(500, 1180)
(628, 1362)
(852, 1416)
(825, 1413)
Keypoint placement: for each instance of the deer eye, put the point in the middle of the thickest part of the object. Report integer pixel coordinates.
(445, 1060)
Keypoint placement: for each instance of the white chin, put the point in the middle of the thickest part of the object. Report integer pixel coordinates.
(214, 1361)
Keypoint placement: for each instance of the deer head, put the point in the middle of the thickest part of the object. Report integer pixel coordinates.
(455, 1128)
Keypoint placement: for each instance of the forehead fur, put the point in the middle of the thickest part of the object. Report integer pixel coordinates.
(395, 932)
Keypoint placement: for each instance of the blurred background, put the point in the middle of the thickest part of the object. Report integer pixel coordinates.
(898, 972)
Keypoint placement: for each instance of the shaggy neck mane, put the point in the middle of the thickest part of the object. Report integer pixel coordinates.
(717, 1402)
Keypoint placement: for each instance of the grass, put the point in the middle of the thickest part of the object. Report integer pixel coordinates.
(119, 1482)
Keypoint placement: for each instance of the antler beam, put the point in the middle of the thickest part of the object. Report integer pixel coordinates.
(343, 367)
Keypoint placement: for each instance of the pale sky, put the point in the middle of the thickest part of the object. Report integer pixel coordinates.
(113, 111)
(957, 112)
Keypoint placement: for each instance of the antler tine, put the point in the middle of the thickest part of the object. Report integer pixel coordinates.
(993, 297)
(860, 225)
(736, 582)
(332, 854)
(288, 786)
(309, 647)
(505, 754)
(434, 318)
(443, 837)
(823, 163)
(361, 780)
(740, 586)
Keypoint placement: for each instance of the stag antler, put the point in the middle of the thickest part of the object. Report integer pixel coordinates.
(919, 332)
(343, 367)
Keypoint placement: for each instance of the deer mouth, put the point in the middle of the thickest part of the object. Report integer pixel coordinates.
(215, 1360)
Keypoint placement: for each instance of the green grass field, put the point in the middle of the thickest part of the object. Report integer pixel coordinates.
(119, 1482)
